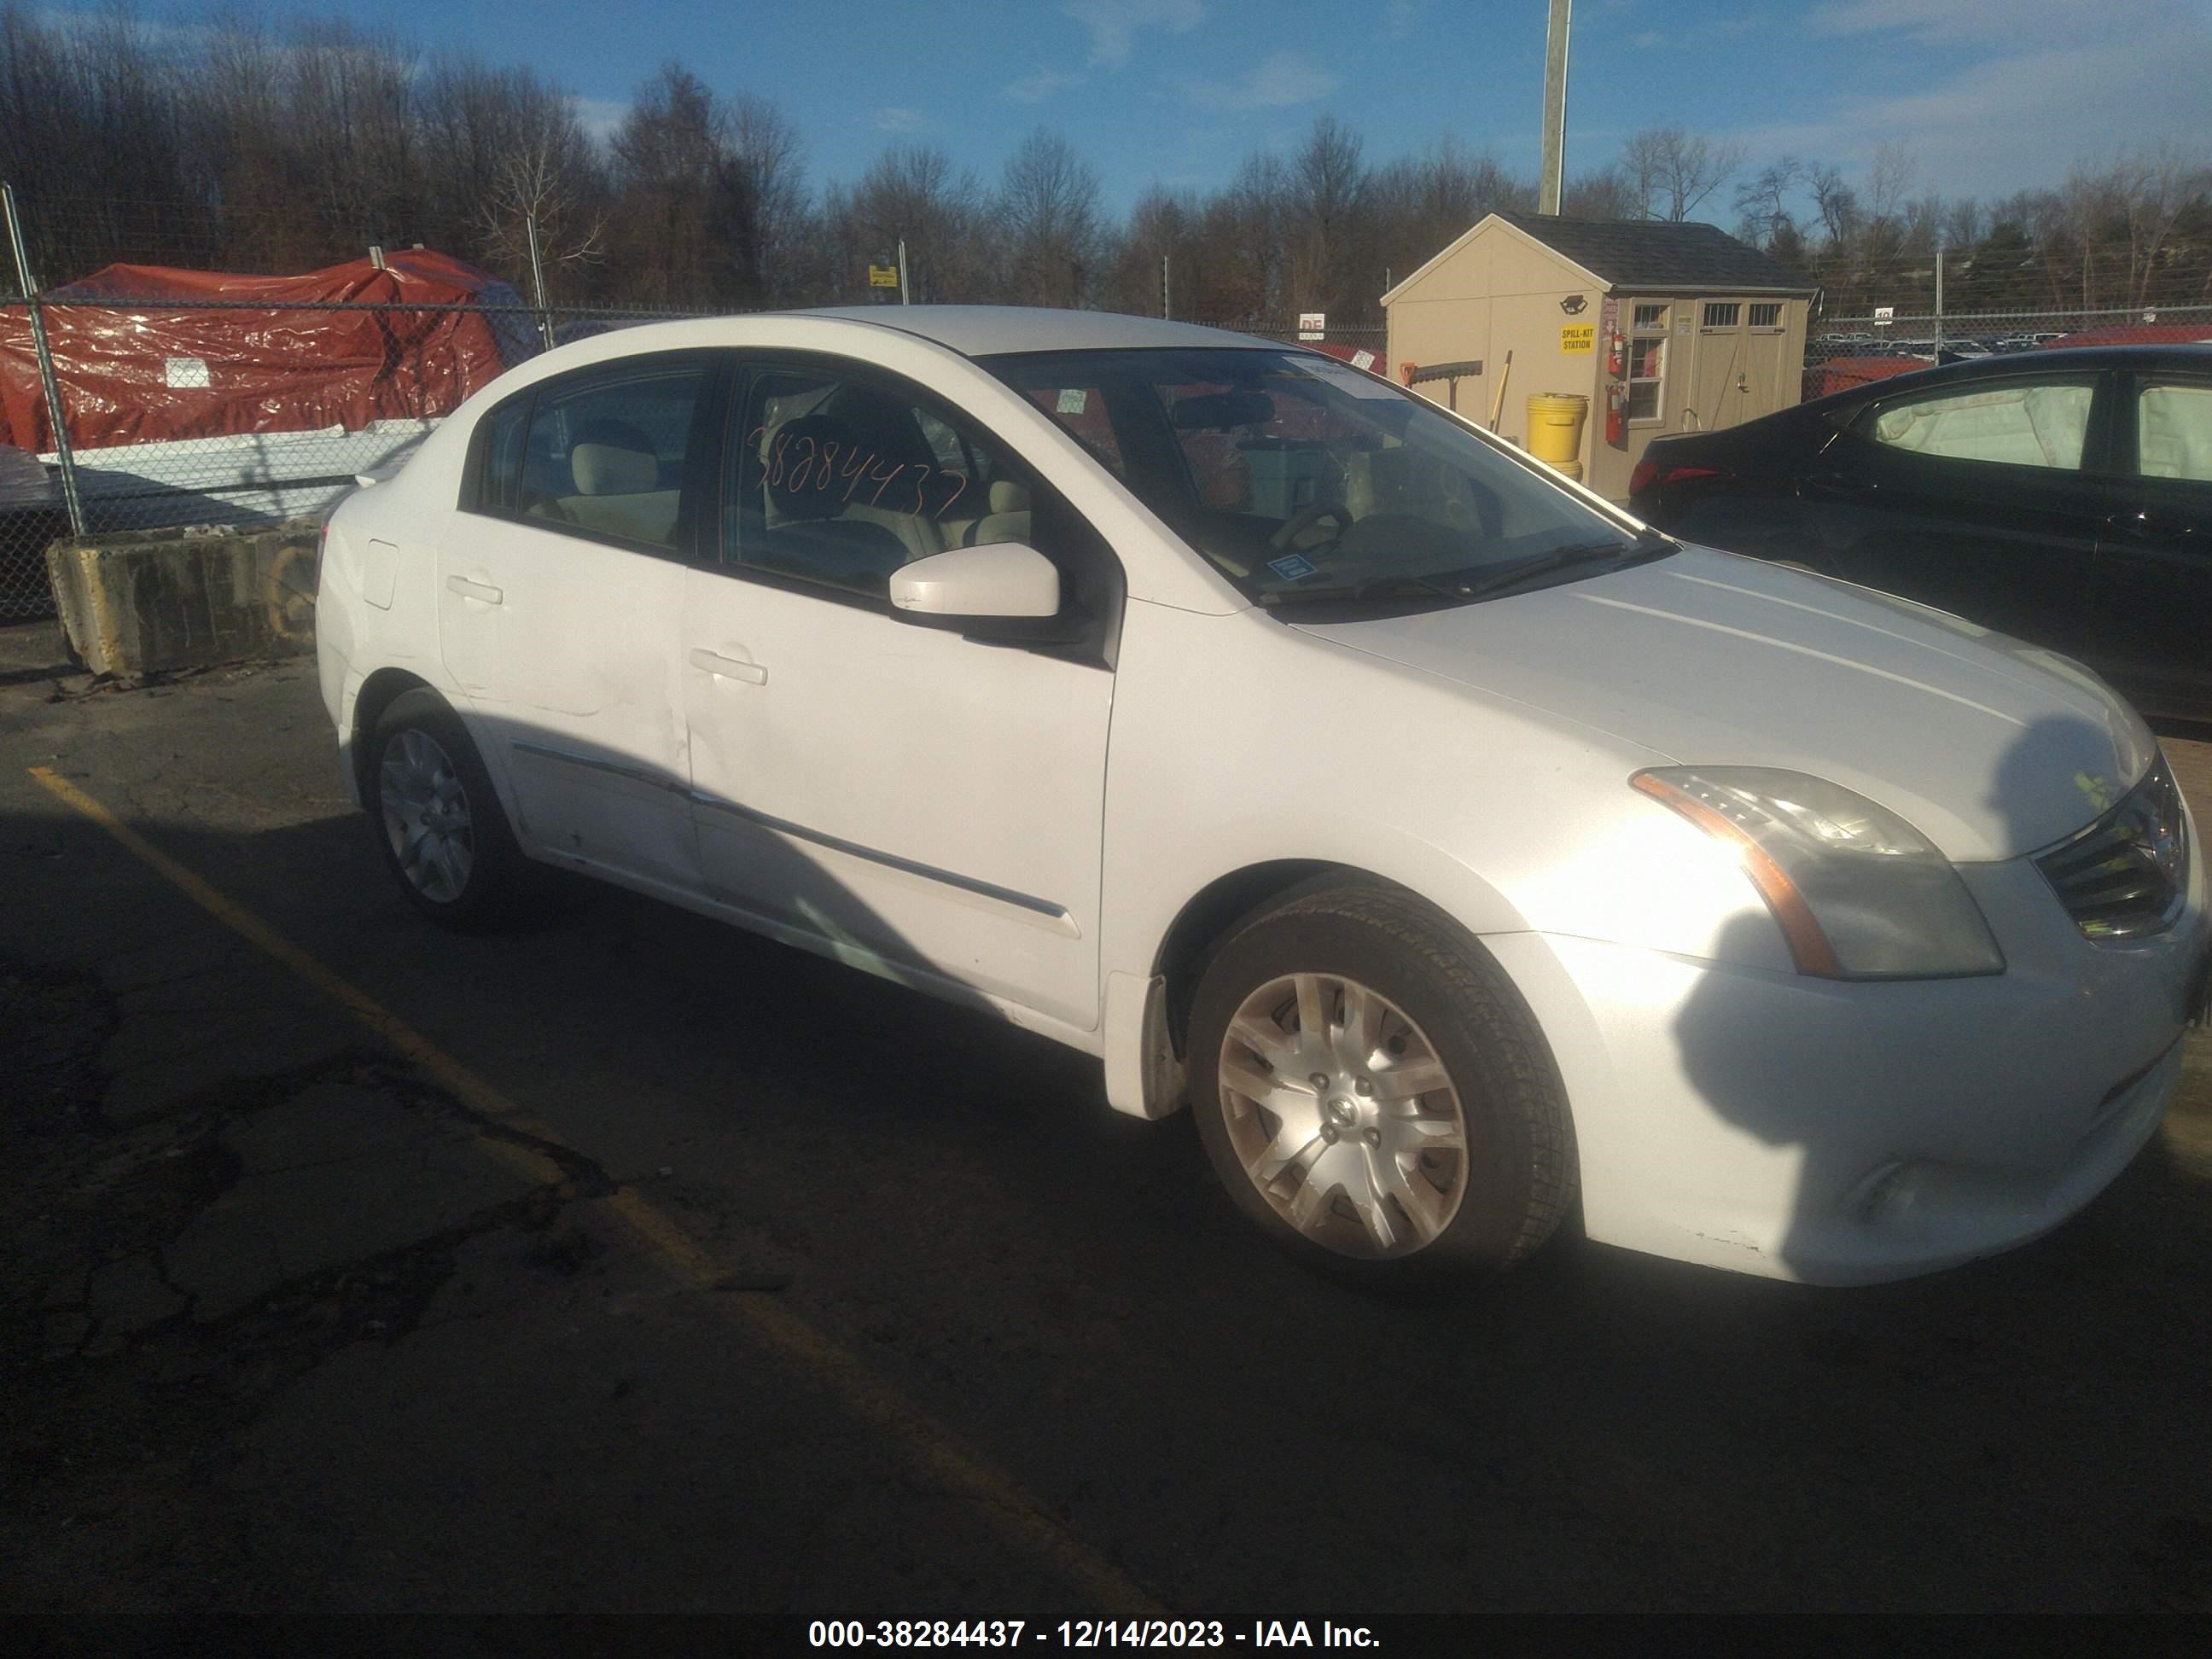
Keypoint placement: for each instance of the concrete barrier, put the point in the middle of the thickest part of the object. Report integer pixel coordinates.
(152, 601)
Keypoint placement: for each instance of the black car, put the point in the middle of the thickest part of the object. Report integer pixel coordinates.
(2064, 497)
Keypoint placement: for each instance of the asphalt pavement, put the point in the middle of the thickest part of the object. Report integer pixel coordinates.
(630, 1263)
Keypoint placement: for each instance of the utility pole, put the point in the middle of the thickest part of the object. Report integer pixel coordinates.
(905, 297)
(1167, 305)
(1550, 173)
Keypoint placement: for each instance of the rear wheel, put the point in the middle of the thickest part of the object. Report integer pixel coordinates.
(439, 825)
(1374, 1093)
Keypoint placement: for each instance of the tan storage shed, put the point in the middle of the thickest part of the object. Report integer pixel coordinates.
(1676, 327)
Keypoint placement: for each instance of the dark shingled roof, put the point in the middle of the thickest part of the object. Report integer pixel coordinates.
(1654, 254)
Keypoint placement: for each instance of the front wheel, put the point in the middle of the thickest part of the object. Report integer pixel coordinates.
(1374, 1093)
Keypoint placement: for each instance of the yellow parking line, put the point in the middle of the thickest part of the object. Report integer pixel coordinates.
(932, 1447)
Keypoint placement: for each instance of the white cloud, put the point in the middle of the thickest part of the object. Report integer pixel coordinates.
(2005, 22)
(1399, 18)
(900, 120)
(1647, 39)
(1114, 23)
(1282, 77)
(1035, 88)
(2013, 120)
(600, 117)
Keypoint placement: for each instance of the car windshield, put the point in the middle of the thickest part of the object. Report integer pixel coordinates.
(1308, 482)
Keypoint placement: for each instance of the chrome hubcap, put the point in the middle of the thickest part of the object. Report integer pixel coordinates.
(1342, 1115)
(426, 815)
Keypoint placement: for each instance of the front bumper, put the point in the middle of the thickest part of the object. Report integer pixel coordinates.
(1844, 1132)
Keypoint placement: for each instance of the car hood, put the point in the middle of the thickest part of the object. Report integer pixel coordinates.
(1989, 747)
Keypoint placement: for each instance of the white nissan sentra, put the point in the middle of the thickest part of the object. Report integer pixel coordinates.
(1458, 849)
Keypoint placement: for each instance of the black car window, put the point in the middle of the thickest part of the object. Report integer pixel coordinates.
(605, 454)
(2173, 429)
(2011, 423)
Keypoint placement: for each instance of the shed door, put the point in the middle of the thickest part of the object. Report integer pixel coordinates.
(1720, 372)
(1767, 366)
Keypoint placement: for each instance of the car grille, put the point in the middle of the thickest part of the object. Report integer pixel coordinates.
(2126, 874)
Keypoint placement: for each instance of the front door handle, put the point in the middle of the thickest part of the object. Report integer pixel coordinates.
(471, 590)
(728, 668)
(1837, 484)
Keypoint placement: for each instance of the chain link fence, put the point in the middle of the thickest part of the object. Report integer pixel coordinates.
(1842, 352)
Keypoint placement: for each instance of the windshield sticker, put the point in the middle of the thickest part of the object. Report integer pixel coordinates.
(1073, 400)
(1347, 379)
(1292, 567)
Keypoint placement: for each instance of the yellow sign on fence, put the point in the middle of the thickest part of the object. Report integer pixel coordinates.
(1578, 336)
(882, 275)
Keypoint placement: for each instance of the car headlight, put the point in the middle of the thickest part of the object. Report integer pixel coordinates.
(1857, 892)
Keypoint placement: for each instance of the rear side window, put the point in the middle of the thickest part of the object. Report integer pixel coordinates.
(2173, 431)
(606, 448)
(2019, 423)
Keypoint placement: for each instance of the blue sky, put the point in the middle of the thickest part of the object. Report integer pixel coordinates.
(1993, 95)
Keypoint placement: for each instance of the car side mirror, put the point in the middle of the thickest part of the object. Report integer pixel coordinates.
(1002, 589)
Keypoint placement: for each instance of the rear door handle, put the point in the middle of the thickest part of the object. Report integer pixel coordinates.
(728, 668)
(2149, 526)
(469, 590)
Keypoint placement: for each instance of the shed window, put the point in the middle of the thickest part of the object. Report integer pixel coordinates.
(1768, 315)
(1722, 313)
(1646, 361)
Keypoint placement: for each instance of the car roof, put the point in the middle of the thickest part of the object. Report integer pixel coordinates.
(991, 330)
(2043, 361)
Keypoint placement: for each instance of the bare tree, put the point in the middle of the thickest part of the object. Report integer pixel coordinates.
(1164, 229)
(914, 192)
(1324, 194)
(1054, 235)
(1601, 193)
(1675, 171)
(1762, 201)
(1418, 205)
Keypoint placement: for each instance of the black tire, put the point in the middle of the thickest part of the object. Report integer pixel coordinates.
(498, 879)
(1517, 1174)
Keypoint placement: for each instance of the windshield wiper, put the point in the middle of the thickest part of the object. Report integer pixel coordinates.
(1369, 587)
(1647, 542)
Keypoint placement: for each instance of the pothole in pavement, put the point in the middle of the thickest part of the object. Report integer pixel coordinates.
(163, 1278)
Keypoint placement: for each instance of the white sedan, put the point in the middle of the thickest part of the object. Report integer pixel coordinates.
(1459, 850)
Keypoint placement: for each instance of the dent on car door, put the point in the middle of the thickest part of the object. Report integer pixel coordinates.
(560, 594)
(1972, 498)
(2155, 554)
(926, 804)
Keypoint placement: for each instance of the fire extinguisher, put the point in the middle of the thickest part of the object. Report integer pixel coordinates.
(1616, 356)
(1616, 412)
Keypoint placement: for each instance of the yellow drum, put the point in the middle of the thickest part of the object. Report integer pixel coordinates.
(1555, 429)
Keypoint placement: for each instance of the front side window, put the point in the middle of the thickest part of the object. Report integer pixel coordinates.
(1722, 313)
(1647, 363)
(1296, 476)
(2016, 423)
(2174, 430)
(1766, 315)
(839, 481)
(606, 449)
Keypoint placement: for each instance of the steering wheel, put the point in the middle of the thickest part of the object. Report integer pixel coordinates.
(1294, 528)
